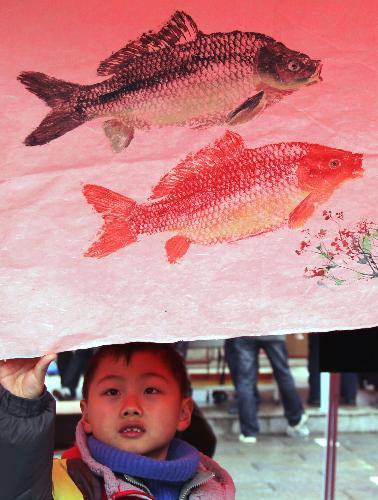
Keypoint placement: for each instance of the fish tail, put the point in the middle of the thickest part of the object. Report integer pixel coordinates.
(116, 210)
(57, 94)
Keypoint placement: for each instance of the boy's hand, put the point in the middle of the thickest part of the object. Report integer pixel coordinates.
(25, 377)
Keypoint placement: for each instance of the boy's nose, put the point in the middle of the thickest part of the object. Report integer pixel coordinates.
(131, 406)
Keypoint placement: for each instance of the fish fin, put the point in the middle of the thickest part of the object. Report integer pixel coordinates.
(211, 156)
(56, 93)
(247, 110)
(55, 124)
(119, 134)
(53, 91)
(306, 208)
(302, 212)
(179, 29)
(116, 210)
(176, 247)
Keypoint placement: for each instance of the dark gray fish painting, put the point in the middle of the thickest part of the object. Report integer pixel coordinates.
(176, 76)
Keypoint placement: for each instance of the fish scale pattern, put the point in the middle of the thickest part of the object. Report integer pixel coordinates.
(247, 192)
(197, 85)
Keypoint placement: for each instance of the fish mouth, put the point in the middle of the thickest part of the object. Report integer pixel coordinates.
(358, 172)
(317, 77)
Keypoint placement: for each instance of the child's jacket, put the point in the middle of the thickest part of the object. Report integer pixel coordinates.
(27, 473)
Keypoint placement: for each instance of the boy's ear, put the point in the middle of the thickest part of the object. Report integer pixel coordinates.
(185, 417)
(84, 410)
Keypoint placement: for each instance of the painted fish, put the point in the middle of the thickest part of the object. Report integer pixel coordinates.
(225, 192)
(177, 76)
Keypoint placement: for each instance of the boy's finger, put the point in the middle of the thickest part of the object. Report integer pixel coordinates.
(43, 364)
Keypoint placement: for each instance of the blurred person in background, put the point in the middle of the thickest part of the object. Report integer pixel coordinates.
(71, 366)
(242, 357)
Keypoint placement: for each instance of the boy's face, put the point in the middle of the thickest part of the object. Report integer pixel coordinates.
(136, 407)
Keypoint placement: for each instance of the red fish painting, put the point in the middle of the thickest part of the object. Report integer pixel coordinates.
(176, 76)
(225, 192)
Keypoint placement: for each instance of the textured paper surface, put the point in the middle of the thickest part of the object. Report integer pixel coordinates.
(53, 298)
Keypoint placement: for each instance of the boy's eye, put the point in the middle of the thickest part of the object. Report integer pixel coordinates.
(111, 392)
(151, 390)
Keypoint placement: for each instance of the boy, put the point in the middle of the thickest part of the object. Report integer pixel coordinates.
(135, 398)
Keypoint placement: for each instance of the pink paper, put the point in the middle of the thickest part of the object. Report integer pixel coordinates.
(54, 298)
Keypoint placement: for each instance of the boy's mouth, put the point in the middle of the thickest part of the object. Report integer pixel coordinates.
(132, 430)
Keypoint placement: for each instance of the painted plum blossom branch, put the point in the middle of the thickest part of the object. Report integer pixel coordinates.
(343, 253)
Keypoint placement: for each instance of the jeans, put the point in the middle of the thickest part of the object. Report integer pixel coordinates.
(71, 365)
(242, 358)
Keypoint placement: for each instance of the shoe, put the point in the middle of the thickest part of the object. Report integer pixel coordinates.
(247, 439)
(300, 429)
(64, 394)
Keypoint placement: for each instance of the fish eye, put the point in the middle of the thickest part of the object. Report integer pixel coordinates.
(334, 163)
(293, 66)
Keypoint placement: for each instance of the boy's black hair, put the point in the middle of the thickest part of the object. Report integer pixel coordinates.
(167, 353)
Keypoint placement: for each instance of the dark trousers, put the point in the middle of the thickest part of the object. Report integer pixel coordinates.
(71, 365)
(242, 357)
(348, 381)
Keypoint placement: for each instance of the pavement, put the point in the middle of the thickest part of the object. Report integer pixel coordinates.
(278, 467)
(283, 468)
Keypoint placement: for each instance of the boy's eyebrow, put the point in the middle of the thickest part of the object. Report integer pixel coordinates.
(110, 377)
(154, 374)
(120, 377)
